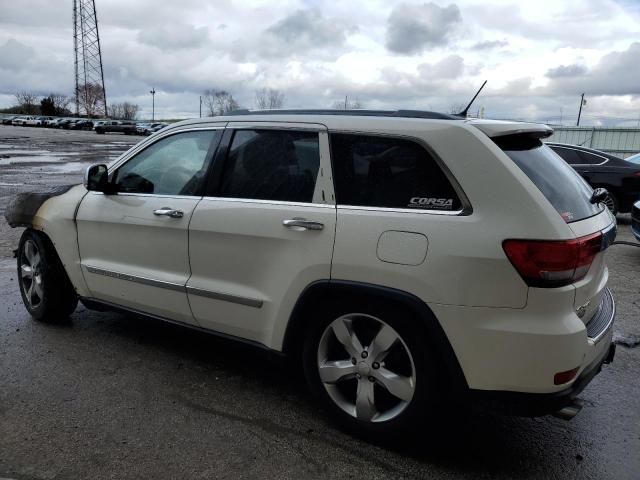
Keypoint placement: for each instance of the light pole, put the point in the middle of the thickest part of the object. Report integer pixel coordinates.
(200, 106)
(582, 102)
(153, 103)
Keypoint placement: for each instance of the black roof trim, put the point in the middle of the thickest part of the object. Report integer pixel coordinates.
(352, 113)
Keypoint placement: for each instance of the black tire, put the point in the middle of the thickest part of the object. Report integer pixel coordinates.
(47, 294)
(427, 397)
(99, 131)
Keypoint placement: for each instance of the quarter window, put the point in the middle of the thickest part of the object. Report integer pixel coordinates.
(174, 165)
(569, 155)
(271, 165)
(389, 172)
(590, 159)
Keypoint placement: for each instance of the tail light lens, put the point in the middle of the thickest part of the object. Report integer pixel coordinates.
(551, 263)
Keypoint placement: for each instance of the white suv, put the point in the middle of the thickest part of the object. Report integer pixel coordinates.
(404, 258)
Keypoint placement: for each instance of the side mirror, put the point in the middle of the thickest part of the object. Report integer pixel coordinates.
(599, 195)
(96, 179)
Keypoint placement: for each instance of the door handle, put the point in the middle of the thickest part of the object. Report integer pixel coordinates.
(302, 224)
(168, 212)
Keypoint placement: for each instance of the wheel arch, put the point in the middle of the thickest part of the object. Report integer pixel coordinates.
(316, 293)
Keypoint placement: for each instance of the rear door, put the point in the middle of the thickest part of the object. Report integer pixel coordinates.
(264, 231)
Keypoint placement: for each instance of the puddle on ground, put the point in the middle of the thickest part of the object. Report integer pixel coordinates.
(629, 341)
(28, 152)
(28, 159)
(70, 167)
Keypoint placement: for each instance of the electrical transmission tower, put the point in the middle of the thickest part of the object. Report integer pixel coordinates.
(91, 96)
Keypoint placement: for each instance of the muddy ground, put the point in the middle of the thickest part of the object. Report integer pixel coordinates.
(113, 396)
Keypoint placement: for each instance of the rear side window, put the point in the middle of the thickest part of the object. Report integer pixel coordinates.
(278, 165)
(591, 159)
(567, 191)
(569, 155)
(388, 172)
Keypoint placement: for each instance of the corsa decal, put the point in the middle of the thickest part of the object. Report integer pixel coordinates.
(431, 203)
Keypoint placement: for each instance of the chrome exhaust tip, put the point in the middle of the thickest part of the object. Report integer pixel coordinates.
(570, 411)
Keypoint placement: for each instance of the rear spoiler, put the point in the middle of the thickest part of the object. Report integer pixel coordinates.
(497, 128)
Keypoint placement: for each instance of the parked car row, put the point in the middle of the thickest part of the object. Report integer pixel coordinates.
(100, 126)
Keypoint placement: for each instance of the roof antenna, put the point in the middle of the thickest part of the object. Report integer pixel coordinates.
(463, 113)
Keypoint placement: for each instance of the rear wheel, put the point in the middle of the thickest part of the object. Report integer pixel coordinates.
(46, 290)
(372, 370)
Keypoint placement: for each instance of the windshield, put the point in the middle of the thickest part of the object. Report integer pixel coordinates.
(558, 182)
(635, 159)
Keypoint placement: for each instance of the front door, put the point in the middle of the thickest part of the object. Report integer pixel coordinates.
(134, 243)
(264, 232)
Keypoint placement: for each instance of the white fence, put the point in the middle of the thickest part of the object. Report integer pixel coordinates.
(622, 142)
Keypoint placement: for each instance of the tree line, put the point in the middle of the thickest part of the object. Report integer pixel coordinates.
(215, 102)
(220, 102)
(57, 104)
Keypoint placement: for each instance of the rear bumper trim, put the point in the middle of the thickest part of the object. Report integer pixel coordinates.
(602, 320)
(538, 404)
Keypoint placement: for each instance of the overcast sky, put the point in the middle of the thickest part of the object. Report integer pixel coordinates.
(538, 56)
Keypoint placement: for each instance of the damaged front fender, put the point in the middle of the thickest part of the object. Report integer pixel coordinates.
(53, 211)
(23, 208)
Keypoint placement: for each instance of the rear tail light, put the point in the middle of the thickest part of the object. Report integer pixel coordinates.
(551, 263)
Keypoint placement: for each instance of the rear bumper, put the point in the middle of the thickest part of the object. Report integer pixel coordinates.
(537, 404)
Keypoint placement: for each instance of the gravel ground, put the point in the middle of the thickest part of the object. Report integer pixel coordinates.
(114, 396)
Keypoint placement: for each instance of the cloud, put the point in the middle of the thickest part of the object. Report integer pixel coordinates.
(489, 45)
(411, 29)
(302, 32)
(174, 36)
(617, 73)
(448, 68)
(21, 66)
(14, 55)
(566, 71)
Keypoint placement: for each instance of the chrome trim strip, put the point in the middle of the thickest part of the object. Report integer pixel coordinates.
(269, 125)
(225, 297)
(270, 202)
(136, 279)
(422, 211)
(154, 195)
(606, 329)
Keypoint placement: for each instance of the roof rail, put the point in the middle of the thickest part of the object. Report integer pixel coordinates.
(350, 113)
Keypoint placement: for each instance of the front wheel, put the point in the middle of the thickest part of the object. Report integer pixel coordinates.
(372, 371)
(46, 290)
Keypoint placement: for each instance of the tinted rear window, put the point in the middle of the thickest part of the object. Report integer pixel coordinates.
(559, 183)
(389, 172)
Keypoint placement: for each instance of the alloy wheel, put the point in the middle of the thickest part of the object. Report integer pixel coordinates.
(366, 368)
(31, 277)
